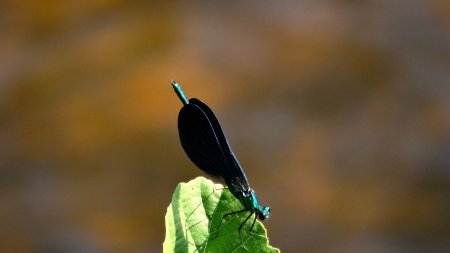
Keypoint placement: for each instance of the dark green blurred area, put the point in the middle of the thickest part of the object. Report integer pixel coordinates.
(338, 110)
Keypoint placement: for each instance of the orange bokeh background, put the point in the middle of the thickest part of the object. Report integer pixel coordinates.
(339, 112)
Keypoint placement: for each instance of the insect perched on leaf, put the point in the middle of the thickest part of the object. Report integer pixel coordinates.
(205, 144)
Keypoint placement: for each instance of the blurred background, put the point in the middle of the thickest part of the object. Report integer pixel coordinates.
(338, 110)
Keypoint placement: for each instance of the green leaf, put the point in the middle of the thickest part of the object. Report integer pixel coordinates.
(193, 219)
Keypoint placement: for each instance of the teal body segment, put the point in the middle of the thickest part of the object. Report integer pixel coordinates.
(179, 92)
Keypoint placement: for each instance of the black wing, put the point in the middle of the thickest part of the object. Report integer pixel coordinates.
(205, 144)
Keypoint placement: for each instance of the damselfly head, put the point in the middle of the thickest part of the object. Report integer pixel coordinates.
(263, 213)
